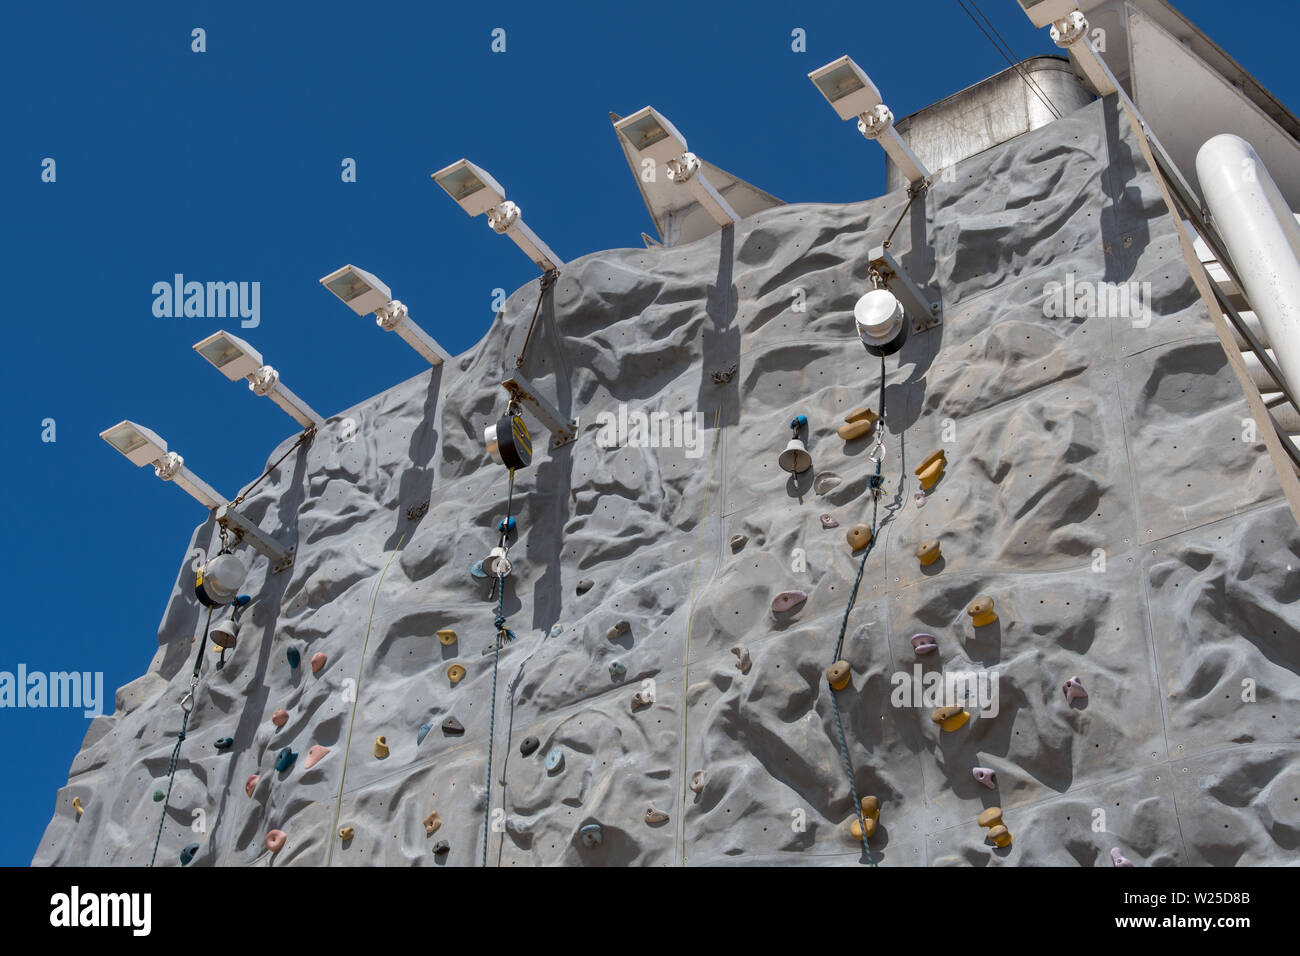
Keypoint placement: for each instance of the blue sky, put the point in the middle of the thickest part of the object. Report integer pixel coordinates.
(225, 166)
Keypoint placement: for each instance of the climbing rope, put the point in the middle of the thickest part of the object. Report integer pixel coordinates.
(503, 634)
(876, 483)
(187, 705)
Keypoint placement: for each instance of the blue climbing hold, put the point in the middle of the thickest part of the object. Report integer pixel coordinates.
(557, 630)
(188, 853)
(507, 526)
(285, 759)
(591, 834)
(799, 421)
(424, 732)
(617, 670)
(555, 760)
(225, 743)
(477, 570)
(241, 600)
(294, 657)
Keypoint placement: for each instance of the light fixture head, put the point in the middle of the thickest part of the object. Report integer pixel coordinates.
(362, 292)
(473, 189)
(140, 445)
(1043, 13)
(651, 135)
(233, 357)
(846, 87)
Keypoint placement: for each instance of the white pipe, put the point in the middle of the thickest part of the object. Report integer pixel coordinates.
(1262, 239)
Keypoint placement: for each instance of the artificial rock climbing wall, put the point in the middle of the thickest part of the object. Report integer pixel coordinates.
(1099, 487)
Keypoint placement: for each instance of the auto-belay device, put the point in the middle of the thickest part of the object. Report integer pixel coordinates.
(508, 442)
(218, 582)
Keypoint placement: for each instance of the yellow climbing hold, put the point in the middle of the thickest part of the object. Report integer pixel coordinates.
(447, 636)
(76, 805)
(431, 823)
(931, 470)
(862, 414)
(855, 429)
(950, 718)
(858, 537)
(347, 833)
(928, 552)
(981, 611)
(455, 673)
(838, 675)
(990, 818)
(1000, 836)
(381, 747)
(871, 814)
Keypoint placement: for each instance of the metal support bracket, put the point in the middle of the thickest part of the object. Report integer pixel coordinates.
(522, 391)
(923, 313)
(279, 556)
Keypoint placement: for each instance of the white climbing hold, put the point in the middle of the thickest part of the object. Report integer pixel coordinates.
(742, 658)
(825, 482)
(697, 781)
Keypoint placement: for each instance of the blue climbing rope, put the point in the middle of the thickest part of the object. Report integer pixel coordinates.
(503, 634)
(876, 483)
(187, 705)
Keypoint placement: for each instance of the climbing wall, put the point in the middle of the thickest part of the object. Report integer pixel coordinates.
(1099, 487)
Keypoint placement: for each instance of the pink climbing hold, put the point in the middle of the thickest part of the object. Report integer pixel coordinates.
(985, 776)
(829, 521)
(251, 784)
(1118, 858)
(788, 600)
(1073, 690)
(280, 718)
(924, 643)
(314, 756)
(275, 841)
(318, 661)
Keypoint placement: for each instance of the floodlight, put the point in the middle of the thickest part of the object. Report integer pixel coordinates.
(143, 447)
(653, 137)
(850, 91)
(236, 359)
(1070, 32)
(363, 294)
(1043, 13)
(477, 193)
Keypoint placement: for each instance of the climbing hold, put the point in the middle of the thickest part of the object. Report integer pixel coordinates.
(931, 469)
(441, 847)
(284, 759)
(1000, 835)
(346, 833)
(950, 718)
(529, 745)
(738, 541)
(981, 611)
(990, 818)
(318, 662)
(838, 675)
(743, 660)
(1073, 690)
(275, 841)
(381, 747)
(653, 816)
(476, 569)
(1118, 858)
(555, 760)
(225, 743)
(76, 805)
(618, 630)
(315, 754)
(985, 776)
(557, 630)
(294, 657)
(280, 718)
(858, 423)
(453, 727)
(455, 674)
(431, 823)
(870, 816)
(919, 498)
(617, 670)
(422, 733)
(446, 636)
(159, 796)
(591, 835)
(697, 781)
(924, 643)
(641, 699)
(928, 552)
(881, 325)
(585, 585)
(825, 482)
(859, 537)
(251, 784)
(507, 526)
(187, 854)
(788, 601)
(829, 522)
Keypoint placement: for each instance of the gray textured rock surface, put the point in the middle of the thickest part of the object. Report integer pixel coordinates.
(1067, 436)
